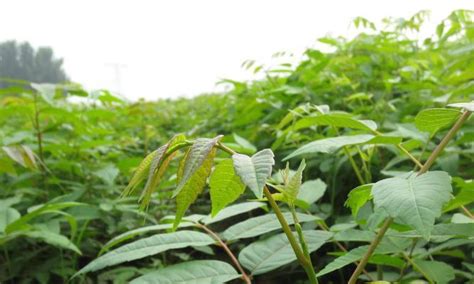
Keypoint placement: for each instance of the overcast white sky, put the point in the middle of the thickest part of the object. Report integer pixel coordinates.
(177, 48)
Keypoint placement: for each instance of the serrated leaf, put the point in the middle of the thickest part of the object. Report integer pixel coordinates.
(416, 200)
(197, 155)
(262, 224)
(191, 272)
(291, 190)
(434, 119)
(140, 173)
(233, 210)
(336, 120)
(436, 271)
(254, 171)
(225, 186)
(266, 255)
(358, 197)
(193, 187)
(148, 246)
(329, 145)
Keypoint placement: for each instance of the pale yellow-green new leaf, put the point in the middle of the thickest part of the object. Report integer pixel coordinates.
(193, 187)
(225, 185)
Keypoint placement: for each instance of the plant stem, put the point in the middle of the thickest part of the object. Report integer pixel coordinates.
(354, 165)
(413, 158)
(245, 276)
(291, 238)
(373, 245)
(427, 165)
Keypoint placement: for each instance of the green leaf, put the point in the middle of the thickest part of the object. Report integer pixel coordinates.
(245, 143)
(18, 224)
(260, 225)
(225, 186)
(193, 186)
(434, 119)
(310, 192)
(107, 174)
(22, 155)
(7, 216)
(158, 166)
(329, 145)
(292, 188)
(148, 246)
(133, 233)
(255, 170)
(191, 272)
(465, 195)
(268, 254)
(435, 271)
(416, 200)
(336, 120)
(196, 157)
(233, 210)
(141, 173)
(53, 239)
(358, 197)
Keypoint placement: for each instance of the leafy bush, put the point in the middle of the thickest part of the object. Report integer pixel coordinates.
(370, 118)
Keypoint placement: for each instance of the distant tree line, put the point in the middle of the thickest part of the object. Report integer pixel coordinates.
(20, 61)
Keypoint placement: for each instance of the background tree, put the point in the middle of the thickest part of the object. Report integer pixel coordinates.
(23, 62)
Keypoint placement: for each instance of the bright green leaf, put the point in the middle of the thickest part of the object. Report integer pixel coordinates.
(225, 186)
(434, 119)
(358, 197)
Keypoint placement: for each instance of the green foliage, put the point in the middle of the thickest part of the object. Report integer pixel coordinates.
(415, 200)
(366, 115)
(225, 186)
(253, 171)
(198, 271)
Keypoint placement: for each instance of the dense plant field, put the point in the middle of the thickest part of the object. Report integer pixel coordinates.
(353, 165)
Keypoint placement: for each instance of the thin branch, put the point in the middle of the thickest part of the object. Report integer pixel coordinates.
(245, 276)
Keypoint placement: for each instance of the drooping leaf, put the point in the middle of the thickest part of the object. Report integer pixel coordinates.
(434, 119)
(414, 200)
(148, 246)
(140, 173)
(133, 233)
(53, 239)
(329, 145)
(268, 254)
(260, 225)
(358, 197)
(197, 155)
(225, 186)
(191, 272)
(336, 120)
(193, 187)
(233, 210)
(254, 171)
(436, 271)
